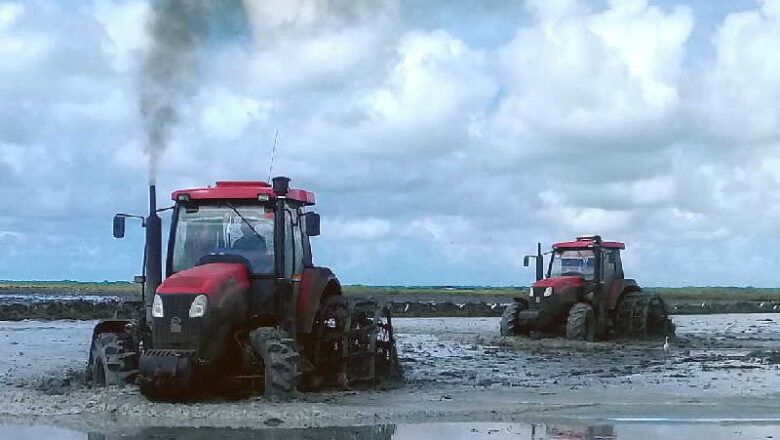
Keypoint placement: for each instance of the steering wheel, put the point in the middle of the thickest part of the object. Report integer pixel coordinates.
(571, 274)
(217, 256)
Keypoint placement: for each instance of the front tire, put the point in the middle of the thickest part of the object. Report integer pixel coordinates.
(281, 361)
(510, 318)
(113, 360)
(581, 324)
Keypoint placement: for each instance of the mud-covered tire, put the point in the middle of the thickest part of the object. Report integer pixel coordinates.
(281, 362)
(581, 323)
(509, 319)
(113, 360)
(152, 391)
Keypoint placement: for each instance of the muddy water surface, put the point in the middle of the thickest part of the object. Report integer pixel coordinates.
(429, 431)
(720, 370)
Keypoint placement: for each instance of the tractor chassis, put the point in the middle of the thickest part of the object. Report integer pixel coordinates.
(169, 372)
(545, 314)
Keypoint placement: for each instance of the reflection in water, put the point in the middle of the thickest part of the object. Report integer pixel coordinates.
(597, 432)
(427, 431)
(378, 432)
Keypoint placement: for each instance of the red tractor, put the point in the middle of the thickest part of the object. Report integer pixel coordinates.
(241, 307)
(586, 297)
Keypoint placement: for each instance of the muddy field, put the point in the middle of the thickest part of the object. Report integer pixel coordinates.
(722, 368)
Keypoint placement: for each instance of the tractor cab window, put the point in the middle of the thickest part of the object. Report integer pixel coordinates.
(240, 231)
(573, 263)
(297, 237)
(609, 263)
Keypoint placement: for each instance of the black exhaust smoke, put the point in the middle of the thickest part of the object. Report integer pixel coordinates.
(153, 263)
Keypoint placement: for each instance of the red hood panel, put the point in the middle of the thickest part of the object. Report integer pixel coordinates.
(206, 279)
(560, 282)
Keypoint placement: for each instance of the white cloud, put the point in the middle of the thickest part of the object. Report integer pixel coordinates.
(226, 116)
(124, 23)
(360, 229)
(433, 159)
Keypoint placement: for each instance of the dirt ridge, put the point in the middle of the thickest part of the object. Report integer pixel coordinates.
(83, 309)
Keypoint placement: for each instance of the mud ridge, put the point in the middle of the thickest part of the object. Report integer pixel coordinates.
(88, 309)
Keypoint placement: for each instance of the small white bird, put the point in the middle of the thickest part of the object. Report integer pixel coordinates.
(666, 345)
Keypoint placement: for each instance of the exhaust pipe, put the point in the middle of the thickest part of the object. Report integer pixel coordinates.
(280, 186)
(539, 262)
(284, 292)
(153, 254)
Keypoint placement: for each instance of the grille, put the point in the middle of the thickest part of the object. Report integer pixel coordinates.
(538, 301)
(176, 309)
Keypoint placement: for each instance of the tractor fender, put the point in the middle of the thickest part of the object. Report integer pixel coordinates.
(620, 288)
(521, 300)
(111, 326)
(316, 283)
(108, 326)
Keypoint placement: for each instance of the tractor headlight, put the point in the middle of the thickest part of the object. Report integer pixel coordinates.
(531, 291)
(198, 307)
(157, 307)
(548, 291)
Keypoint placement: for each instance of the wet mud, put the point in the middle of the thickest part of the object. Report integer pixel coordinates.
(75, 309)
(457, 369)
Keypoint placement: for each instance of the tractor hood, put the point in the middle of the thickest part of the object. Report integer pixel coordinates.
(212, 279)
(559, 283)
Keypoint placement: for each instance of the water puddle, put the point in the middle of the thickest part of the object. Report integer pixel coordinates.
(648, 430)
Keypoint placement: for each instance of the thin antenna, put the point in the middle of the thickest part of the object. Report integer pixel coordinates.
(273, 154)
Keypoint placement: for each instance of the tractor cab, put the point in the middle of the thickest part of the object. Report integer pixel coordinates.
(246, 224)
(596, 262)
(235, 222)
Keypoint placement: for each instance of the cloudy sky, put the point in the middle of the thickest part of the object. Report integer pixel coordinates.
(443, 138)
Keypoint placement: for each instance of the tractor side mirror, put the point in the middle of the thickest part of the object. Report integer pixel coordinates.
(119, 226)
(312, 221)
(526, 261)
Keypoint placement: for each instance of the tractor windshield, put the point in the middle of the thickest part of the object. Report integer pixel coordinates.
(573, 262)
(225, 229)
